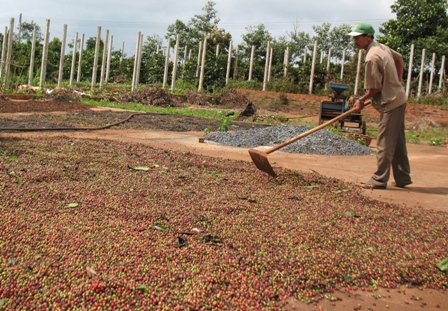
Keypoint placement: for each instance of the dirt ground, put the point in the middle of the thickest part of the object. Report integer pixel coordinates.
(428, 165)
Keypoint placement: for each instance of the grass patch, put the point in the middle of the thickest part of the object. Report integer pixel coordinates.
(433, 99)
(432, 137)
(208, 113)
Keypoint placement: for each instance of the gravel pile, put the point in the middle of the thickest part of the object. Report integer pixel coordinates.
(321, 142)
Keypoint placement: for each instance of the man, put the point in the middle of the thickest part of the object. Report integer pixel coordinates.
(383, 84)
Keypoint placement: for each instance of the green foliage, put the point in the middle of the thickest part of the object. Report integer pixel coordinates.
(192, 32)
(217, 114)
(301, 77)
(435, 142)
(433, 99)
(184, 86)
(54, 55)
(214, 65)
(300, 41)
(26, 32)
(257, 37)
(334, 38)
(361, 141)
(281, 100)
(205, 23)
(153, 69)
(153, 65)
(432, 136)
(224, 125)
(281, 119)
(180, 28)
(423, 23)
(245, 84)
(284, 85)
(443, 265)
(91, 43)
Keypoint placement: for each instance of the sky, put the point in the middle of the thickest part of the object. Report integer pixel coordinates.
(125, 18)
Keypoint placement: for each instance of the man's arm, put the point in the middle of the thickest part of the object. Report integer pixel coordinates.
(399, 64)
(359, 104)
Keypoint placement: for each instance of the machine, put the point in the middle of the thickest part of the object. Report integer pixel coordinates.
(337, 105)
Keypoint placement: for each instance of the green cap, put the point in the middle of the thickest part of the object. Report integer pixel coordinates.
(362, 29)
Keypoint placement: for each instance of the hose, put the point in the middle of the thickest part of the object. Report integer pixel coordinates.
(21, 129)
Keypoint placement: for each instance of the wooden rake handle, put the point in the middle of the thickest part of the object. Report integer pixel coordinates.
(317, 128)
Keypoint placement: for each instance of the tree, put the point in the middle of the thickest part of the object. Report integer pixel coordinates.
(54, 54)
(153, 64)
(322, 37)
(201, 24)
(418, 22)
(278, 47)
(26, 31)
(193, 32)
(258, 37)
(20, 59)
(340, 41)
(299, 41)
(422, 23)
(335, 38)
(181, 29)
(151, 44)
(91, 43)
(88, 56)
(205, 23)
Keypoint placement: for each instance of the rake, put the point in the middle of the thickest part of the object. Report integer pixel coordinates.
(260, 158)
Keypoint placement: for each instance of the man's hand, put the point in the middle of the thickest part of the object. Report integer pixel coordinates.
(359, 105)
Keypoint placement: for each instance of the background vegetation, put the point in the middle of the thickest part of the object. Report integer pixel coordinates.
(423, 24)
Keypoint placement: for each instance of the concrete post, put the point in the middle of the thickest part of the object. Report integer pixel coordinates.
(167, 62)
(286, 62)
(175, 60)
(33, 52)
(62, 56)
(313, 68)
(139, 60)
(201, 75)
(442, 72)
(43, 67)
(342, 65)
(95, 57)
(103, 59)
(81, 48)
(134, 69)
(9, 53)
(72, 68)
(109, 55)
(251, 65)
(199, 59)
(229, 61)
(422, 71)
(408, 81)
(433, 68)
(266, 66)
(270, 64)
(3, 57)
